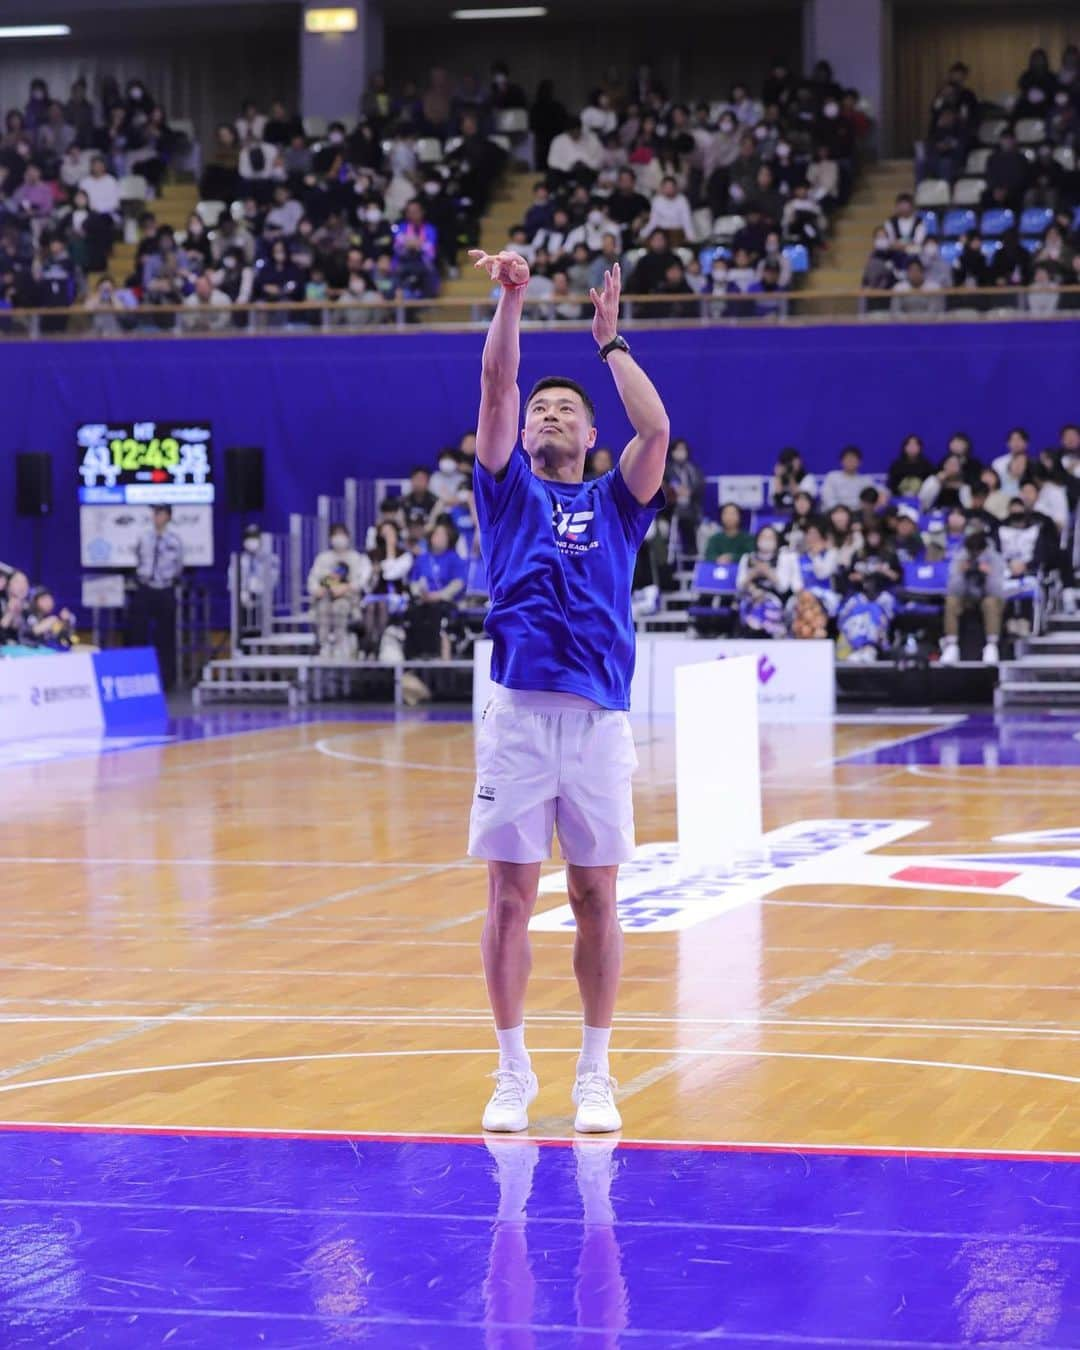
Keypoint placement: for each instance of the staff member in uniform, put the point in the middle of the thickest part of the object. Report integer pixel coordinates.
(159, 562)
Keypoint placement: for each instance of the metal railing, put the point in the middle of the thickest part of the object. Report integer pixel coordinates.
(357, 316)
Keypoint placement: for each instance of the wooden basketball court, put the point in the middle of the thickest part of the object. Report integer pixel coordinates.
(278, 931)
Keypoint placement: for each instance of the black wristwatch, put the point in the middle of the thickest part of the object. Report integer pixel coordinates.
(617, 344)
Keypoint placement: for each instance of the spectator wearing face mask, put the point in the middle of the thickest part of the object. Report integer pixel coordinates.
(448, 482)
(338, 578)
(257, 577)
(936, 269)
(684, 486)
(766, 579)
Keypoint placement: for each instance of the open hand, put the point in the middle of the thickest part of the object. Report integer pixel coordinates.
(606, 302)
(506, 269)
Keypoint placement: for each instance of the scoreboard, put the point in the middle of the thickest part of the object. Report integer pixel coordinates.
(124, 469)
(145, 464)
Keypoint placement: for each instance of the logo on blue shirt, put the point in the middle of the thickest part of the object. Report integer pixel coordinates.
(571, 529)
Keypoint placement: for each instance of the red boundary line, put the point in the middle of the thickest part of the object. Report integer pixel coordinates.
(680, 1145)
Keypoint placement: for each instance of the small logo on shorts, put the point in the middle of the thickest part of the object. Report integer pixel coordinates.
(485, 793)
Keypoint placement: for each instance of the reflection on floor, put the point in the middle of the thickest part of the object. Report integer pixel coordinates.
(143, 1240)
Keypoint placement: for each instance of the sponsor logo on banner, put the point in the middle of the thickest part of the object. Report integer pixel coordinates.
(130, 685)
(657, 894)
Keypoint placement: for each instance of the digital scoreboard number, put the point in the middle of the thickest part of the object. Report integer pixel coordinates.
(145, 463)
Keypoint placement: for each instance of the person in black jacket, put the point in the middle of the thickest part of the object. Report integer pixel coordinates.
(910, 469)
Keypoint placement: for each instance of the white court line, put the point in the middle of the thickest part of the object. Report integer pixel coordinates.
(539, 1221)
(486, 1051)
(630, 1022)
(164, 861)
(888, 744)
(324, 747)
(429, 1136)
(371, 888)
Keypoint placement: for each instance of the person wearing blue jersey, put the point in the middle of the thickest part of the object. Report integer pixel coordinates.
(555, 751)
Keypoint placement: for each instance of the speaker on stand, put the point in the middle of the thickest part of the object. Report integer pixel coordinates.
(34, 496)
(244, 478)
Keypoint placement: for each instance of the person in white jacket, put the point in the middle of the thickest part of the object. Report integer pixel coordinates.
(671, 212)
(339, 576)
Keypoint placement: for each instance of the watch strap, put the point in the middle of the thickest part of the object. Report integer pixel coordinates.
(617, 344)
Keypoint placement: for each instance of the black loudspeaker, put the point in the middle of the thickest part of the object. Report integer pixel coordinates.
(244, 478)
(33, 483)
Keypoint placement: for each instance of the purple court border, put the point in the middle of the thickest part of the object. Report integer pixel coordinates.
(544, 1141)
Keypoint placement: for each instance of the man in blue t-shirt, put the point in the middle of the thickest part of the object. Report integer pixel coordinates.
(554, 749)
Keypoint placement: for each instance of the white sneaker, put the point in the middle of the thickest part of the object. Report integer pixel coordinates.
(594, 1097)
(990, 654)
(950, 653)
(508, 1109)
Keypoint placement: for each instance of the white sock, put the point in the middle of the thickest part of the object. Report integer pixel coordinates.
(594, 1049)
(512, 1052)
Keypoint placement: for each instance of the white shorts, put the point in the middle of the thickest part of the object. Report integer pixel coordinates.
(547, 762)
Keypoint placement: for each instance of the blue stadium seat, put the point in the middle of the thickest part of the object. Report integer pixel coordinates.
(926, 578)
(1036, 220)
(959, 221)
(777, 519)
(932, 223)
(798, 256)
(996, 221)
(989, 248)
(1032, 245)
(929, 519)
(951, 250)
(713, 578)
(711, 252)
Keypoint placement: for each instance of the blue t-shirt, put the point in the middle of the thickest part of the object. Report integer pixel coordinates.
(560, 559)
(439, 569)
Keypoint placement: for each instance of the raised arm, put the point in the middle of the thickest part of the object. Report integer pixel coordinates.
(645, 457)
(500, 399)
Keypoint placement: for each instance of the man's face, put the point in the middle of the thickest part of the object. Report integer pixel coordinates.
(626, 181)
(1070, 441)
(1029, 492)
(1016, 444)
(161, 519)
(903, 209)
(419, 482)
(849, 463)
(557, 427)
(958, 447)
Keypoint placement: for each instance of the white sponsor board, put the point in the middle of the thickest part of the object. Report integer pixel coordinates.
(47, 695)
(796, 680)
(109, 533)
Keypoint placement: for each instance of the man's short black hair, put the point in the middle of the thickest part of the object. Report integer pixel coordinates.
(163, 506)
(851, 450)
(420, 468)
(558, 382)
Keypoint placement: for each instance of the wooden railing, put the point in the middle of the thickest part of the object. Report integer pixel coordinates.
(682, 311)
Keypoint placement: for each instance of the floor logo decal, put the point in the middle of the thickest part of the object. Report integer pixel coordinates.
(659, 895)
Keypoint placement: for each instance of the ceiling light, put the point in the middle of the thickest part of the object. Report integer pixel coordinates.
(517, 12)
(34, 30)
(330, 21)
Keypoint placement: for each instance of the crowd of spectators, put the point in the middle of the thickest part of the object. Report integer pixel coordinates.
(63, 164)
(721, 199)
(828, 556)
(30, 619)
(997, 200)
